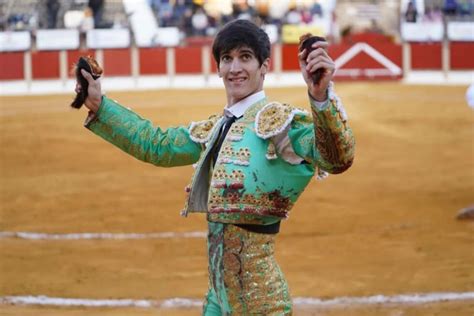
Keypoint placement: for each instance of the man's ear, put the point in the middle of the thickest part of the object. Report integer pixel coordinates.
(265, 67)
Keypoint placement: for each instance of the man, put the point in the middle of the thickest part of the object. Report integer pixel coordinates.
(252, 163)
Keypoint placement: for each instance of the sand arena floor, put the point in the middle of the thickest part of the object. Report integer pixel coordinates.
(386, 226)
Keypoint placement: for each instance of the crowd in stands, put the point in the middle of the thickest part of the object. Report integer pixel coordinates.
(16, 15)
(451, 9)
(190, 16)
(194, 20)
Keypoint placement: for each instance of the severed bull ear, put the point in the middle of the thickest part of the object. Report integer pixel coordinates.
(306, 41)
(90, 65)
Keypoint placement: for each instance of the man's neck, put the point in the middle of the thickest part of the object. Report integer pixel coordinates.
(238, 109)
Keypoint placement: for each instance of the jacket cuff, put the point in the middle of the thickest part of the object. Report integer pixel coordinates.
(91, 116)
(317, 105)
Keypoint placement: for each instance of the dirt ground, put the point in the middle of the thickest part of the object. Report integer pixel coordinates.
(386, 226)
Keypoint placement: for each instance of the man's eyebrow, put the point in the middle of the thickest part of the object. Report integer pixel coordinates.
(247, 51)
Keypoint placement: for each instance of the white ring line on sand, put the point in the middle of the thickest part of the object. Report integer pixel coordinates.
(404, 299)
(92, 236)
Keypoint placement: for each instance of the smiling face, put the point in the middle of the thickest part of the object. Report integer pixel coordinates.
(241, 73)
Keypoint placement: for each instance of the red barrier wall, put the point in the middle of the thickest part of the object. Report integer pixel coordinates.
(117, 62)
(289, 56)
(213, 64)
(11, 66)
(152, 61)
(425, 56)
(462, 55)
(188, 60)
(73, 56)
(45, 64)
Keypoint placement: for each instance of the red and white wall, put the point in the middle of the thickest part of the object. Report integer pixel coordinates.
(367, 57)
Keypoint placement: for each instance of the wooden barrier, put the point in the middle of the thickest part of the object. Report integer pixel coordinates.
(45, 64)
(289, 57)
(188, 60)
(426, 56)
(461, 55)
(355, 60)
(11, 66)
(117, 62)
(152, 61)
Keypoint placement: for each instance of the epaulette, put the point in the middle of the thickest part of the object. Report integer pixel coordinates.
(274, 118)
(200, 132)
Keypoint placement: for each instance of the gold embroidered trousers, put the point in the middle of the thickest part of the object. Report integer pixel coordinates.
(244, 277)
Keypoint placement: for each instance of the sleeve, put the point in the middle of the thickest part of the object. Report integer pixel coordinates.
(325, 139)
(137, 136)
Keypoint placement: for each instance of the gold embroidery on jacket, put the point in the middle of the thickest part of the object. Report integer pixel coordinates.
(201, 131)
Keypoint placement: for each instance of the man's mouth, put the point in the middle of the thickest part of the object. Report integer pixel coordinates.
(237, 79)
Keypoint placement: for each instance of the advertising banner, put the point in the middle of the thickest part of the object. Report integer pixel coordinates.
(57, 39)
(15, 41)
(108, 38)
(422, 31)
(291, 33)
(461, 31)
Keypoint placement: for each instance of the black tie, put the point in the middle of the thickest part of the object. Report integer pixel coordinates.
(228, 121)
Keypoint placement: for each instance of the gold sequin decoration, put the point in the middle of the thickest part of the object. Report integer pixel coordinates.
(236, 132)
(272, 118)
(201, 130)
(254, 282)
(271, 151)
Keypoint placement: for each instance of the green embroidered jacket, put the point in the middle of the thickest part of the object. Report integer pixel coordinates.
(250, 183)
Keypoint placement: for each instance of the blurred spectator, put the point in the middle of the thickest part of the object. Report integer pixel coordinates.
(277, 12)
(179, 9)
(346, 34)
(97, 7)
(200, 22)
(262, 13)
(316, 9)
(334, 35)
(18, 21)
(293, 16)
(52, 9)
(306, 16)
(87, 22)
(165, 12)
(433, 15)
(466, 7)
(186, 23)
(375, 27)
(3, 19)
(411, 13)
(243, 11)
(450, 7)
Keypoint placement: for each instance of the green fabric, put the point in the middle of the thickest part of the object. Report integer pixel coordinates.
(244, 277)
(137, 137)
(211, 306)
(267, 189)
(215, 252)
(330, 146)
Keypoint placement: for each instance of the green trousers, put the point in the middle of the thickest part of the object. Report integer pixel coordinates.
(244, 278)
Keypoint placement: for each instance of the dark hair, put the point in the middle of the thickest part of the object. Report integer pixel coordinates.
(240, 33)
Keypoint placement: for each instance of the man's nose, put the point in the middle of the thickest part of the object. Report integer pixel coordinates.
(235, 66)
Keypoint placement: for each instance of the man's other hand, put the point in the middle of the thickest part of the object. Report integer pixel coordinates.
(309, 63)
(94, 97)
